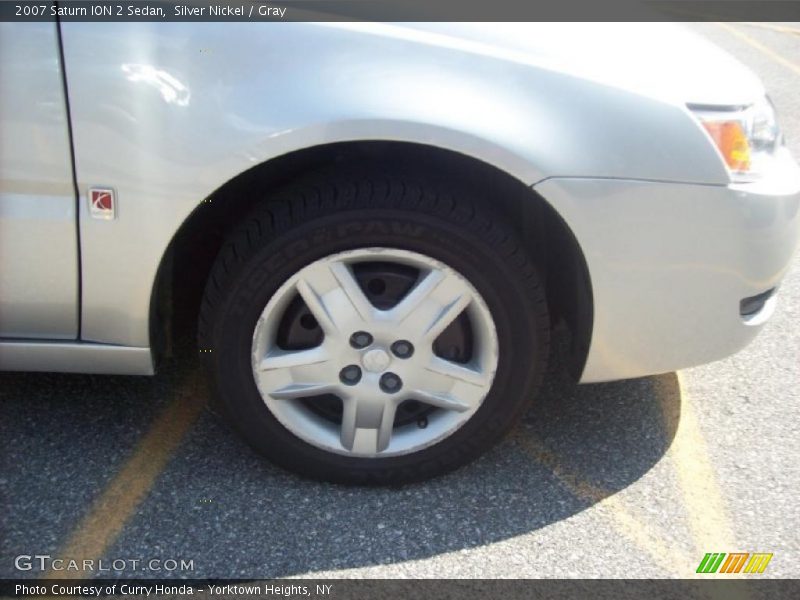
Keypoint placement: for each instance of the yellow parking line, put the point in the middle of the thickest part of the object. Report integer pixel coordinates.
(130, 486)
(759, 46)
(670, 559)
(773, 27)
(702, 497)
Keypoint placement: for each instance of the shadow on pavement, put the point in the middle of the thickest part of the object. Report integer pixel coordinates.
(216, 502)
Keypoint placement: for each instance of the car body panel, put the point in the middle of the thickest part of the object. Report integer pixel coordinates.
(671, 262)
(660, 60)
(38, 237)
(75, 357)
(167, 113)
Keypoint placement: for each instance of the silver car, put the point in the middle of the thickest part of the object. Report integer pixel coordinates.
(379, 226)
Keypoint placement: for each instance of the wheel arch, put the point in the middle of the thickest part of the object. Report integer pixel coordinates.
(187, 261)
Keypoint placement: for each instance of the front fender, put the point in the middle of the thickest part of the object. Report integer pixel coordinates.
(166, 113)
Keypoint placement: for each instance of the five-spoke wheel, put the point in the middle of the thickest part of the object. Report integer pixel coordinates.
(374, 359)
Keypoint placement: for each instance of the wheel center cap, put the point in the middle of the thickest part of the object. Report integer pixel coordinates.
(376, 360)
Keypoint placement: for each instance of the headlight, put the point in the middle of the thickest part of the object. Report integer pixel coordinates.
(746, 137)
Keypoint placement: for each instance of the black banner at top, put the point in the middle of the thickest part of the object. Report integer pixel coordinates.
(399, 10)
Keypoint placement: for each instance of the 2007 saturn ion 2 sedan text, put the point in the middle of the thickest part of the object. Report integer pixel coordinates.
(386, 221)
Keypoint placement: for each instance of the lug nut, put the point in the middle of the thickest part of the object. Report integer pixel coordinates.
(390, 383)
(402, 349)
(350, 375)
(360, 339)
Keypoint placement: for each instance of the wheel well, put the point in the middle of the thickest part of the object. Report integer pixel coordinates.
(186, 264)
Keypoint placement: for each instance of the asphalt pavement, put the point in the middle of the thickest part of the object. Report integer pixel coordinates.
(637, 478)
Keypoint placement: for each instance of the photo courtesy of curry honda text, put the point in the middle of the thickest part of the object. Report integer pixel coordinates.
(380, 225)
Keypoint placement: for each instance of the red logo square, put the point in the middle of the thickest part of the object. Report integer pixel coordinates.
(101, 203)
(102, 200)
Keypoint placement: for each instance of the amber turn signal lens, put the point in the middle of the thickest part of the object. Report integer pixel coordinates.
(732, 143)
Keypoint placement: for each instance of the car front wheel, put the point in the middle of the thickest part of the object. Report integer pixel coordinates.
(363, 333)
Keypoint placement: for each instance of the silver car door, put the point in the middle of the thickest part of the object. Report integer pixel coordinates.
(39, 271)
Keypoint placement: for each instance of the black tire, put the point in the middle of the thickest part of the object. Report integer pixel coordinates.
(328, 213)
